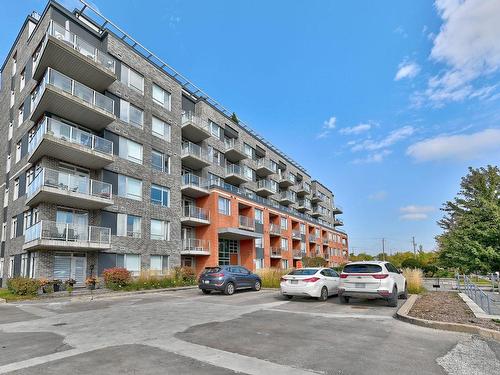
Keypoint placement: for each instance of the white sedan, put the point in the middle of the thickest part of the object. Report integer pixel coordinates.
(312, 282)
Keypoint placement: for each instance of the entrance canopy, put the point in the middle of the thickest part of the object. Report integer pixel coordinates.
(238, 234)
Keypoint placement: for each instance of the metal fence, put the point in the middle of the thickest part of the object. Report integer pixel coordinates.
(474, 293)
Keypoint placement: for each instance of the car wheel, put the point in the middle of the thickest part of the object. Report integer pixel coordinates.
(405, 294)
(324, 294)
(257, 286)
(229, 289)
(393, 299)
(344, 299)
(287, 296)
(206, 291)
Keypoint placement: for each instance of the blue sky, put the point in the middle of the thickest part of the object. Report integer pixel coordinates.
(388, 103)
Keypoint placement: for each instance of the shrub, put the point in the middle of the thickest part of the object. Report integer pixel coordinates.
(115, 278)
(185, 275)
(314, 262)
(271, 276)
(23, 286)
(411, 263)
(414, 280)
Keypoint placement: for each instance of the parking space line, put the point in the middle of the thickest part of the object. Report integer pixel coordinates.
(334, 315)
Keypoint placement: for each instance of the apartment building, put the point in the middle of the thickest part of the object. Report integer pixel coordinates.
(108, 158)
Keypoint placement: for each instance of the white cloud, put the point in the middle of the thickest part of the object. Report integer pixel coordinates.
(328, 126)
(378, 195)
(464, 146)
(407, 70)
(376, 157)
(413, 212)
(392, 138)
(355, 129)
(467, 44)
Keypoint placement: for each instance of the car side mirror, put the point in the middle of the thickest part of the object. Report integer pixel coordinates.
(400, 271)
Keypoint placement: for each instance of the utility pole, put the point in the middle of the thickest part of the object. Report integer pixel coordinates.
(414, 247)
(383, 248)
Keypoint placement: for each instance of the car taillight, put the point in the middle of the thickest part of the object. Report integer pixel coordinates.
(311, 280)
(343, 275)
(282, 279)
(218, 275)
(380, 276)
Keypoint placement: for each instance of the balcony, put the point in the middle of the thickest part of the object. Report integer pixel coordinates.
(313, 238)
(326, 256)
(68, 53)
(51, 186)
(234, 174)
(264, 168)
(195, 216)
(338, 222)
(246, 223)
(337, 210)
(193, 156)
(233, 150)
(298, 254)
(296, 235)
(194, 128)
(71, 100)
(51, 235)
(304, 205)
(316, 198)
(286, 180)
(64, 142)
(303, 189)
(287, 197)
(274, 230)
(193, 246)
(194, 186)
(316, 212)
(275, 252)
(325, 241)
(265, 188)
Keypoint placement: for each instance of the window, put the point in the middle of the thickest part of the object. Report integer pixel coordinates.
(130, 150)
(248, 150)
(284, 243)
(274, 185)
(33, 265)
(22, 83)
(161, 97)
(7, 167)
(16, 189)
(215, 156)
(160, 161)
(215, 129)
(131, 114)
(160, 230)
(1, 268)
(11, 130)
(132, 262)
(30, 174)
(302, 228)
(24, 265)
(12, 98)
(18, 151)
(224, 206)
(128, 226)
(13, 227)
(161, 129)
(129, 187)
(6, 198)
(14, 64)
(259, 243)
(259, 216)
(160, 195)
(303, 246)
(259, 264)
(284, 264)
(159, 263)
(4, 231)
(132, 79)
(11, 267)
(214, 179)
(274, 166)
(248, 172)
(20, 116)
(284, 223)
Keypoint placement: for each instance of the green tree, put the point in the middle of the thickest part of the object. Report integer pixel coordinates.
(235, 118)
(314, 262)
(471, 224)
(359, 257)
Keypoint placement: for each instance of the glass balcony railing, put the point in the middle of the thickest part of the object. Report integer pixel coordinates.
(192, 149)
(189, 117)
(190, 179)
(50, 230)
(264, 163)
(68, 182)
(305, 203)
(296, 234)
(266, 184)
(275, 251)
(288, 196)
(246, 222)
(234, 169)
(274, 229)
(195, 245)
(72, 87)
(70, 134)
(78, 44)
(196, 213)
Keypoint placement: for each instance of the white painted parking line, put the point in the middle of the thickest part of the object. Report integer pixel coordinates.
(335, 315)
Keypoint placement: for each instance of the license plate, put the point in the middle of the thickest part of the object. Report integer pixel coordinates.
(206, 281)
(294, 281)
(359, 285)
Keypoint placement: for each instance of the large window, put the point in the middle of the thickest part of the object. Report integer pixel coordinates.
(284, 223)
(284, 264)
(128, 226)
(248, 173)
(131, 114)
(160, 230)
(259, 216)
(249, 151)
(24, 265)
(160, 195)
(215, 129)
(159, 263)
(129, 187)
(160, 161)
(13, 227)
(224, 206)
(160, 129)
(131, 78)
(130, 150)
(161, 97)
(284, 243)
(132, 262)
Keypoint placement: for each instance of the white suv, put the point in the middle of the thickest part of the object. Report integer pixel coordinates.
(372, 280)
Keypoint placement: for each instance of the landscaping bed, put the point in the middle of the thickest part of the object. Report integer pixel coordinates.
(448, 307)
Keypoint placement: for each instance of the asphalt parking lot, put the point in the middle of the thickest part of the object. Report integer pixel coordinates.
(185, 332)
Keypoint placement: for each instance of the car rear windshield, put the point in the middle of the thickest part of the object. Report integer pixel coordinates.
(212, 269)
(303, 272)
(362, 268)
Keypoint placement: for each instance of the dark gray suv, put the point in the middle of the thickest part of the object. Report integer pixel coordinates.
(227, 279)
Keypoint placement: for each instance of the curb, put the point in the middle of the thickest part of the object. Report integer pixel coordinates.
(402, 314)
(3, 300)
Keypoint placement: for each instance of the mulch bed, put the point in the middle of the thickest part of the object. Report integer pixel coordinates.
(448, 307)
